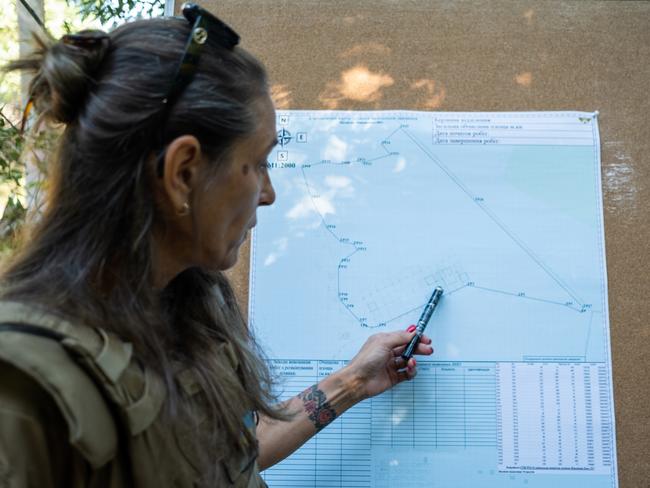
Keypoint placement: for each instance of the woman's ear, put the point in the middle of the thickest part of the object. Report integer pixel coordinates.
(180, 174)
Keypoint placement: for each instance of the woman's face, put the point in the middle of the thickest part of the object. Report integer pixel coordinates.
(227, 208)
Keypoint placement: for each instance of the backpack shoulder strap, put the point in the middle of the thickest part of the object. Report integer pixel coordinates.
(39, 351)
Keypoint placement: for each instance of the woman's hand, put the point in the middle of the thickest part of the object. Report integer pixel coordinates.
(378, 365)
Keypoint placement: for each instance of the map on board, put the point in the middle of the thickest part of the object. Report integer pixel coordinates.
(504, 211)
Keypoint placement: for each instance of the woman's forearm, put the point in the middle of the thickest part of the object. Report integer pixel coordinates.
(310, 411)
(375, 368)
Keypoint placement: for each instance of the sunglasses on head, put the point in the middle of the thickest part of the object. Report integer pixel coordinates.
(203, 24)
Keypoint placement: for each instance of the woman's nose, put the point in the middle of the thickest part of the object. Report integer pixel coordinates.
(267, 196)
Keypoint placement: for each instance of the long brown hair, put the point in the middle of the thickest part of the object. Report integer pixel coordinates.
(89, 255)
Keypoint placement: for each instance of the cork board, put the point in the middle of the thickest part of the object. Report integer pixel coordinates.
(501, 56)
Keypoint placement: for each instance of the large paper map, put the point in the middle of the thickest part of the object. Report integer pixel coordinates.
(504, 211)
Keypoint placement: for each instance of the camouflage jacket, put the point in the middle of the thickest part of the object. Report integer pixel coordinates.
(76, 410)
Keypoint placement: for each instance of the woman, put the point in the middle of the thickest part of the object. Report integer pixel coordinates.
(123, 355)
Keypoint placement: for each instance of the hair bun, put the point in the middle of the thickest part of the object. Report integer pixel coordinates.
(67, 71)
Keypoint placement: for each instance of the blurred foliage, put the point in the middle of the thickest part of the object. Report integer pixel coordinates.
(24, 157)
(116, 11)
(12, 171)
(24, 161)
(10, 84)
(11, 144)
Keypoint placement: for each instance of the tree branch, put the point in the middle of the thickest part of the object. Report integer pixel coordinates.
(7, 118)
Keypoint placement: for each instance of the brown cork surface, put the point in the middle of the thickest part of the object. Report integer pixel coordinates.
(501, 56)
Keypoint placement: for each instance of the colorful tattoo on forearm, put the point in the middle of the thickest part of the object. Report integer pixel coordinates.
(316, 405)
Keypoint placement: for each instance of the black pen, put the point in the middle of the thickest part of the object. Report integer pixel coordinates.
(422, 323)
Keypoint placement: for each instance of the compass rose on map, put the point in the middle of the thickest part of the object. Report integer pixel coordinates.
(284, 137)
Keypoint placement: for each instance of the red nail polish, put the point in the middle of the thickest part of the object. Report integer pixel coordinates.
(411, 328)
